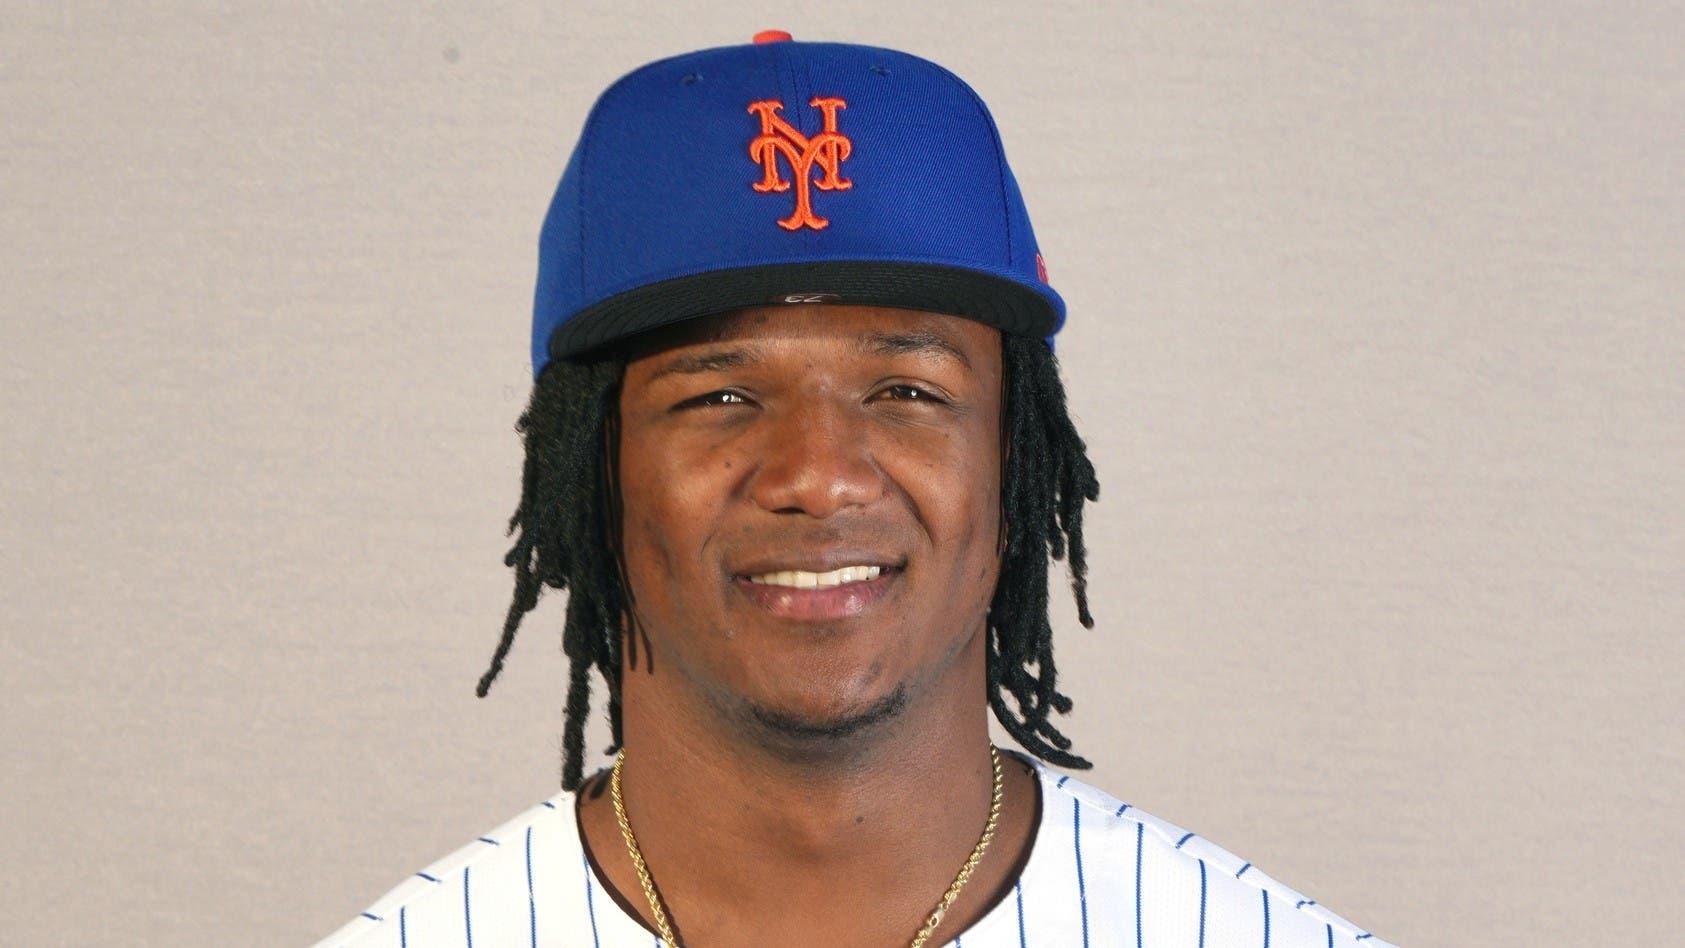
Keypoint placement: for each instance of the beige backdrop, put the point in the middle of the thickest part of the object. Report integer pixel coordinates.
(1375, 335)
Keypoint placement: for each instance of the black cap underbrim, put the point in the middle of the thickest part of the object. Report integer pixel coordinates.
(996, 301)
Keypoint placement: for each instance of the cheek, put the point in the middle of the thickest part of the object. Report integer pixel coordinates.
(954, 490)
(671, 503)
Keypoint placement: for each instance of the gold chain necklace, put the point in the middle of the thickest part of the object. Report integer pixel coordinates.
(948, 897)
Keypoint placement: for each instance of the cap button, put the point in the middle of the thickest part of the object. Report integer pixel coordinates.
(773, 36)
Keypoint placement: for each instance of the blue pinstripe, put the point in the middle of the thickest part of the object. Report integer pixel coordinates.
(467, 909)
(590, 909)
(1076, 840)
(1202, 903)
(1018, 893)
(532, 900)
(1019, 887)
(1140, 828)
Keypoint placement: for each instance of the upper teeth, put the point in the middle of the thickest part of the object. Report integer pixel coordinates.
(805, 580)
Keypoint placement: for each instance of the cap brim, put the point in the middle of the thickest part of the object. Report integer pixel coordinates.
(997, 301)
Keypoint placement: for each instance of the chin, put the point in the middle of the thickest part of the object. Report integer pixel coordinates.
(812, 730)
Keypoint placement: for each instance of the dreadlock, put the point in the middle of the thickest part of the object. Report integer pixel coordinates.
(569, 519)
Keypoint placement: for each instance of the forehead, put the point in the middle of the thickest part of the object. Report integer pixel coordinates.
(844, 329)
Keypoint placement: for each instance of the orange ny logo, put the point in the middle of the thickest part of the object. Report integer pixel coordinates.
(826, 149)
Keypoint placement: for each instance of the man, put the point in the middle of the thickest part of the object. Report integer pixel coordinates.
(798, 450)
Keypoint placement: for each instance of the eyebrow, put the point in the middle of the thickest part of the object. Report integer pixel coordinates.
(917, 342)
(709, 362)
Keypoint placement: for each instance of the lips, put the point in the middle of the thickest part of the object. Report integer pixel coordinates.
(816, 562)
(803, 579)
(818, 603)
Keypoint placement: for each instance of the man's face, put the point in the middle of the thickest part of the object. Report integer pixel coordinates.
(762, 447)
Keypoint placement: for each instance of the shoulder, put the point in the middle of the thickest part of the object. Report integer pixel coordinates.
(1140, 865)
(484, 889)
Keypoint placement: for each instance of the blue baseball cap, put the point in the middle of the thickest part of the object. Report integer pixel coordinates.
(785, 172)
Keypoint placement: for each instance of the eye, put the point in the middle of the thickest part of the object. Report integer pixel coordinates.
(721, 397)
(902, 392)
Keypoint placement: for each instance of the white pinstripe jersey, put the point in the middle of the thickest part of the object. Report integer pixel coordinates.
(1101, 874)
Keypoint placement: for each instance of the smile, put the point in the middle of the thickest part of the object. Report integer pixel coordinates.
(801, 579)
(802, 596)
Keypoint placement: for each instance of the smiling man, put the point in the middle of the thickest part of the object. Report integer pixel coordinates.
(798, 452)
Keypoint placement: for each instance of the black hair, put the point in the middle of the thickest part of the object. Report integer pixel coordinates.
(569, 521)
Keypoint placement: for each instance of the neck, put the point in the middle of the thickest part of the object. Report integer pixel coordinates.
(867, 830)
(833, 801)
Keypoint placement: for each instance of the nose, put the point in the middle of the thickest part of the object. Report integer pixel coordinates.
(815, 459)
